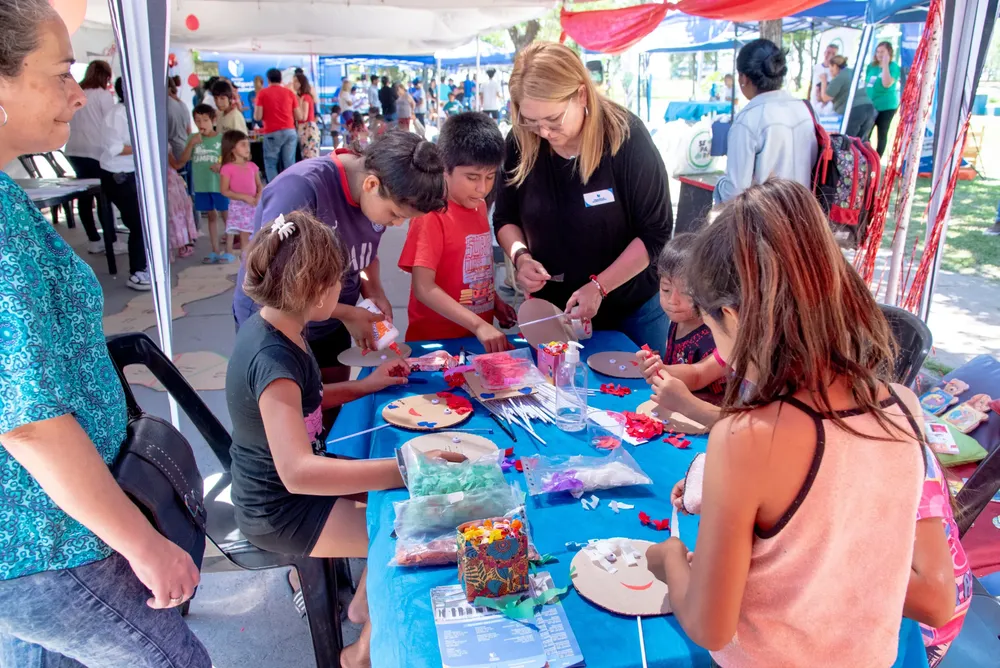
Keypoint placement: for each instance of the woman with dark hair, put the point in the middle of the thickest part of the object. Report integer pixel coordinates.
(882, 80)
(85, 579)
(400, 176)
(306, 117)
(86, 141)
(774, 135)
(812, 478)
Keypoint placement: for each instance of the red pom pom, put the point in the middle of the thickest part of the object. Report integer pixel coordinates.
(192, 23)
(193, 80)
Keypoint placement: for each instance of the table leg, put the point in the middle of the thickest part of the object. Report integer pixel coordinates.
(108, 226)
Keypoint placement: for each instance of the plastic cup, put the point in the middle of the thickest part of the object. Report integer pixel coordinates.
(605, 429)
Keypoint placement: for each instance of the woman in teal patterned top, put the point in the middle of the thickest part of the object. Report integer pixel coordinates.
(78, 560)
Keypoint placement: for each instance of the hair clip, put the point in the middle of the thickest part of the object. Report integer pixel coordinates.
(283, 228)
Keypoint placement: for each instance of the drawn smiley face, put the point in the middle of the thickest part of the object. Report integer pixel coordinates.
(630, 590)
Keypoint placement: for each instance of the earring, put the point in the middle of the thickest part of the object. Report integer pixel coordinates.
(586, 111)
(4, 116)
(320, 305)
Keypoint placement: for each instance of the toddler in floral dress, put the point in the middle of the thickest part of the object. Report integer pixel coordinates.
(239, 180)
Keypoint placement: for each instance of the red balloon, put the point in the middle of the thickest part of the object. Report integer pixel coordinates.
(193, 80)
(192, 22)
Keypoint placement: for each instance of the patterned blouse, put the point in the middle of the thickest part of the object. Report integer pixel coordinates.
(53, 362)
(691, 349)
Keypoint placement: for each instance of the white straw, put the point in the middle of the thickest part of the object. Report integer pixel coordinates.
(360, 433)
(642, 642)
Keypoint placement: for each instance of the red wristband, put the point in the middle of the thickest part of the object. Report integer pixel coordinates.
(600, 288)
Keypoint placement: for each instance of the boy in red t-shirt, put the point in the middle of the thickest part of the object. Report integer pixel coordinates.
(450, 252)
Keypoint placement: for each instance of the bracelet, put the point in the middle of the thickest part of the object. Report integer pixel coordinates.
(518, 253)
(600, 288)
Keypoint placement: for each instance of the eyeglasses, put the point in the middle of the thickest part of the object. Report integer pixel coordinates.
(550, 126)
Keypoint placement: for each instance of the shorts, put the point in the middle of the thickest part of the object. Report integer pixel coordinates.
(305, 518)
(240, 217)
(326, 347)
(210, 202)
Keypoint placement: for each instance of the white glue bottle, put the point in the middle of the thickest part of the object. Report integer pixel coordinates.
(384, 331)
(571, 391)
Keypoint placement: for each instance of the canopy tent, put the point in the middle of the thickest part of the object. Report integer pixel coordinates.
(856, 11)
(346, 27)
(469, 55)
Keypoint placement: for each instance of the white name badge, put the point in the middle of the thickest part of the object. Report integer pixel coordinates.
(599, 197)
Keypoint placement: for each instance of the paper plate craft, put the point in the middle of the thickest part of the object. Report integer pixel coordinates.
(693, 483)
(426, 412)
(541, 322)
(965, 418)
(613, 574)
(615, 363)
(937, 401)
(353, 357)
(672, 419)
(472, 446)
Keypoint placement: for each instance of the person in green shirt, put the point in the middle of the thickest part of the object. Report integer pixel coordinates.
(452, 107)
(204, 150)
(838, 89)
(882, 82)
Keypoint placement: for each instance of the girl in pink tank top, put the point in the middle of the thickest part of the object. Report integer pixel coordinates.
(813, 476)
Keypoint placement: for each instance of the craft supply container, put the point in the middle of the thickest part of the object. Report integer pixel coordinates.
(493, 569)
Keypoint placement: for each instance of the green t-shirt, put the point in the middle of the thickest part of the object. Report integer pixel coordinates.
(452, 108)
(840, 90)
(204, 155)
(882, 98)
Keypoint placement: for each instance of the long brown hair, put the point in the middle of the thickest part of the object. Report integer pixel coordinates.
(554, 73)
(805, 316)
(289, 274)
(230, 138)
(304, 87)
(98, 75)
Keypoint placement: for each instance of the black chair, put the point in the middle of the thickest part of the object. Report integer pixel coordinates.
(321, 578)
(30, 165)
(914, 341)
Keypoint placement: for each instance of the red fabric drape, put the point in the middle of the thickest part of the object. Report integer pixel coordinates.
(614, 30)
(611, 30)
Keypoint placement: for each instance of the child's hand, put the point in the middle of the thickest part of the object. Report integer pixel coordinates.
(670, 393)
(657, 555)
(649, 363)
(216, 168)
(677, 495)
(504, 312)
(359, 324)
(195, 139)
(493, 340)
(393, 372)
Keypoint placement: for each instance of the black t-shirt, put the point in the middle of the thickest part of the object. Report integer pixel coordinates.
(387, 97)
(262, 355)
(578, 230)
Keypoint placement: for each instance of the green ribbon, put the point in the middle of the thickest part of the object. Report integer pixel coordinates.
(520, 607)
(541, 561)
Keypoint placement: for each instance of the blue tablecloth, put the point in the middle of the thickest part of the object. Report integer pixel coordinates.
(403, 633)
(694, 111)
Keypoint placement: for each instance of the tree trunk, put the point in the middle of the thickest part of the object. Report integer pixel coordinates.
(523, 38)
(800, 42)
(771, 30)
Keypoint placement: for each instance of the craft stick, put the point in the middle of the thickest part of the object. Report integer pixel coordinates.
(642, 641)
(675, 529)
(360, 433)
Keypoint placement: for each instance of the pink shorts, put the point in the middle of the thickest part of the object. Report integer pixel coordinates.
(240, 217)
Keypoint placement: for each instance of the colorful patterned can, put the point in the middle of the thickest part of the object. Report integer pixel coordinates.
(492, 567)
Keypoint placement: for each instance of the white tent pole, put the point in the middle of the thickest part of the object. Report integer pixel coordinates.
(864, 47)
(474, 103)
(909, 183)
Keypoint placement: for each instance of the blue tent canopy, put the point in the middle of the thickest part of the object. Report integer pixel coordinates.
(465, 56)
(871, 11)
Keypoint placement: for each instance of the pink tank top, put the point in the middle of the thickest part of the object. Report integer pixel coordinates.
(827, 583)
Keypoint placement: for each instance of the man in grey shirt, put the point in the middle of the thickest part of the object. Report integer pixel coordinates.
(178, 121)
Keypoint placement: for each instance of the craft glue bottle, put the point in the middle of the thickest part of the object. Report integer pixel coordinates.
(385, 332)
(571, 391)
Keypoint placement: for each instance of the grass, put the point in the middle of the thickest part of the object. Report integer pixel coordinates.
(937, 367)
(967, 249)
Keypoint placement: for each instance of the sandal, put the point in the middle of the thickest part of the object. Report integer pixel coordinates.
(300, 603)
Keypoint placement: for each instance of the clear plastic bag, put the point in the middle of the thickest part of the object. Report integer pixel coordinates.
(502, 371)
(442, 549)
(578, 474)
(426, 476)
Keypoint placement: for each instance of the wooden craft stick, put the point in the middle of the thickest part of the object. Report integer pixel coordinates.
(642, 641)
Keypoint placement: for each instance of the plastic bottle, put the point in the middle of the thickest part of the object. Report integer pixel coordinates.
(385, 332)
(571, 395)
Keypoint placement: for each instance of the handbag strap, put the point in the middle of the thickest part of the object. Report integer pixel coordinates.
(134, 411)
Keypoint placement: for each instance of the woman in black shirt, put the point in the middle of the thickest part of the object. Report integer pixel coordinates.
(585, 202)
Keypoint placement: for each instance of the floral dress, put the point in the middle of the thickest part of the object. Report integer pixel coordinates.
(181, 230)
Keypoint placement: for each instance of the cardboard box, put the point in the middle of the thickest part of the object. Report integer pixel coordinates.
(550, 356)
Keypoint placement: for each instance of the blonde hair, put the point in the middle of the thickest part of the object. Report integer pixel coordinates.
(552, 72)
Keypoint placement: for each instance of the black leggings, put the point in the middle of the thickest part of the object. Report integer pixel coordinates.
(88, 168)
(121, 190)
(882, 122)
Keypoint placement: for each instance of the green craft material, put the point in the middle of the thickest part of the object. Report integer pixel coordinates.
(520, 606)
(539, 561)
(430, 477)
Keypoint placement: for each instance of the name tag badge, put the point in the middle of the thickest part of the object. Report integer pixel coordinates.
(599, 197)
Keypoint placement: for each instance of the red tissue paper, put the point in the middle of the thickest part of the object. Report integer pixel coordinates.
(616, 390)
(460, 405)
(659, 525)
(642, 426)
(678, 441)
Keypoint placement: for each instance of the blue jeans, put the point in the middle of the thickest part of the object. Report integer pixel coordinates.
(647, 324)
(94, 615)
(279, 144)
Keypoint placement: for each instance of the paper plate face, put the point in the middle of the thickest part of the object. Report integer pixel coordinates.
(615, 363)
(557, 329)
(353, 357)
(422, 412)
(631, 590)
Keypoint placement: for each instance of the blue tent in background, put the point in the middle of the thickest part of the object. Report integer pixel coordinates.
(465, 56)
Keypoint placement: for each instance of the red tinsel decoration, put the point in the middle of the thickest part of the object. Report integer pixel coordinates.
(460, 405)
(659, 525)
(642, 426)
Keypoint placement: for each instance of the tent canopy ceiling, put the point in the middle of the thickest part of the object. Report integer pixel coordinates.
(347, 27)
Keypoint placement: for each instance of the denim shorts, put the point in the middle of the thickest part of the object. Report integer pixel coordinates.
(210, 202)
(93, 615)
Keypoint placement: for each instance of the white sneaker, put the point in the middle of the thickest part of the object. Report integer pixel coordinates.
(96, 247)
(140, 281)
(121, 248)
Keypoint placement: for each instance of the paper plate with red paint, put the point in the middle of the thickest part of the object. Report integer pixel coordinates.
(616, 364)
(623, 585)
(423, 412)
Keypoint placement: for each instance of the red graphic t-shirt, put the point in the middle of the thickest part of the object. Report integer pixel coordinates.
(458, 245)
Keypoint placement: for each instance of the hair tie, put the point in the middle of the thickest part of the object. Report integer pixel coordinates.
(283, 228)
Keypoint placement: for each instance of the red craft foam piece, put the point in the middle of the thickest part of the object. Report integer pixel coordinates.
(646, 347)
(642, 426)
(460, 405)
(509, 452)
(454, 379)
(519, 466)
(659, 525)
(616, 390)
(414, 413)
(678, 442)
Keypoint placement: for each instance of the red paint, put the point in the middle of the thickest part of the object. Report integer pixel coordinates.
(638, 587)
(414, 413)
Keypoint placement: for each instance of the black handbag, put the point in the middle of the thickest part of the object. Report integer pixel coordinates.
(156, 468)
